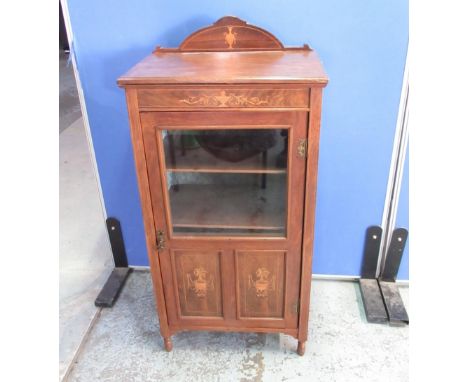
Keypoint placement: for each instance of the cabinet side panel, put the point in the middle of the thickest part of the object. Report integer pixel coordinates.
(309, 208)
(143, 186)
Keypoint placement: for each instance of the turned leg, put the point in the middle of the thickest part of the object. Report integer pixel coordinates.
(168, 343)
(301, 347)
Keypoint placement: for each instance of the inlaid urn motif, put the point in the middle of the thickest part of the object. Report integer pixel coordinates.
(263, 282)
(230, 37)
(200, 281)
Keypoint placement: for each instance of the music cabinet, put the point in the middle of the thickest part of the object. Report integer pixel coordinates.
(225, 131)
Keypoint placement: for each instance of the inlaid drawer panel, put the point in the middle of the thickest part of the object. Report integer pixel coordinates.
(223, 98)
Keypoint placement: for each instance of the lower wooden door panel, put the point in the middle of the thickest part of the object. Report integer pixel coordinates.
(229, 288)
(197, 275)
(267, 288)
(193, 286)
(260, 282)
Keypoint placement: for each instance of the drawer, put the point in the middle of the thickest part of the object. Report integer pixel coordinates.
(223, 98)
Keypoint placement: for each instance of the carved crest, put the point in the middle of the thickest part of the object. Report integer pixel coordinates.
(263, 282)
(200, 281)
(230, 34)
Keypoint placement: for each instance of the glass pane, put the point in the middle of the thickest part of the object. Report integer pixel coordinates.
(228, 182)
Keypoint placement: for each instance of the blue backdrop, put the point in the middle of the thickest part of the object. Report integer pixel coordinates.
(363, 47)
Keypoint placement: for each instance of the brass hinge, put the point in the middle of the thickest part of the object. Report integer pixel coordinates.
(295, 307)
(302, 148)
(160, 243)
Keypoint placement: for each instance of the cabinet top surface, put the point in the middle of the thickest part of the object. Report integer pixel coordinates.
(227, 67)
(287, 66)
(228, 52)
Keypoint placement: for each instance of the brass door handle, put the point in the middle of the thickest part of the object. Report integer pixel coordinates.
(160, 241)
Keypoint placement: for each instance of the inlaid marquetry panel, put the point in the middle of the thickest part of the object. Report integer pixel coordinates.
(223, 98)
(260, 283)
(230, 33)
(198, 278)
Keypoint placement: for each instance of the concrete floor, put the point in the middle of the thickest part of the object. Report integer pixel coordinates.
(85, 258)
(125, 344)
(69, 103)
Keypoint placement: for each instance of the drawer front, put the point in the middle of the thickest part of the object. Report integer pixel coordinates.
(223, 98)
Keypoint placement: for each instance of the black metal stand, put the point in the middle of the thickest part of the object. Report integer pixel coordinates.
(396, 311)
(114, 284)
(381, 298)
(370, 291)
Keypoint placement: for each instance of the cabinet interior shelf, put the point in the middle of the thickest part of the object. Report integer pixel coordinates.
(199, 160)
(227, 170)
(228, 206)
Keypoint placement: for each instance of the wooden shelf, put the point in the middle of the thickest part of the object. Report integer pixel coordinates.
(227, 170)
(229, 206)
(199, 160)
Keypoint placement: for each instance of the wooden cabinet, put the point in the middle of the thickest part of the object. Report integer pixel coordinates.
(225, 132)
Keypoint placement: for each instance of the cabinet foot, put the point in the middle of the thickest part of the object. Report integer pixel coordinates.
(168, 343)
(301, 348)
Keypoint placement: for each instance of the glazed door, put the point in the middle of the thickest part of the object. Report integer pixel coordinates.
(228, 190)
